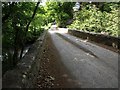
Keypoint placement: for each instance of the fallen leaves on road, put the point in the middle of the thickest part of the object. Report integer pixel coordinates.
(44, 80)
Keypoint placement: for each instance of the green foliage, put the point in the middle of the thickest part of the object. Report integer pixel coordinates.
(15, 17)
(59, 12)
(102, 17)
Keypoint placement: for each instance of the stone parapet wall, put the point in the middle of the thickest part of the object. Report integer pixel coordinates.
(98, 38)
(25, 73)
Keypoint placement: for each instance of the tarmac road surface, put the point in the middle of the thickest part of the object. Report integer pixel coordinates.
(90, 65)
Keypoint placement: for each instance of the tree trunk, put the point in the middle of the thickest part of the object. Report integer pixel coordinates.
(15, 55)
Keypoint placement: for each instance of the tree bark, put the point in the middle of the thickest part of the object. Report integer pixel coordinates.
(15, 55)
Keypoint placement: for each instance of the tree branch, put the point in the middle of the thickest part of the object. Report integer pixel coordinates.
(26, 30)
(32, 16)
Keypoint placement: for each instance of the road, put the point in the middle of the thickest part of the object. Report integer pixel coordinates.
(87, 64)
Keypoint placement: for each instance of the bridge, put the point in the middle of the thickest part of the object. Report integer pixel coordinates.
(59, 59)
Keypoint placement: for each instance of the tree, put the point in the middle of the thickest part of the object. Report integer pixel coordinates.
(59, 12)
(19, 29)
(26, 30)
(97, 17)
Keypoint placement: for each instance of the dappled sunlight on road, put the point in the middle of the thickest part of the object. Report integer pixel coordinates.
(63, 30)
(59, 30)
